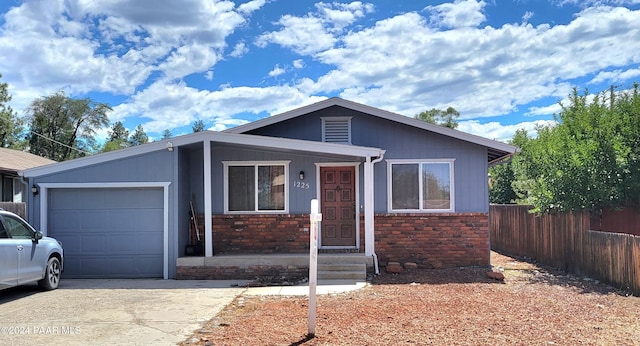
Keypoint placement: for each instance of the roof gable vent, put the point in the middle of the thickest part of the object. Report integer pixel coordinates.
(336, 130)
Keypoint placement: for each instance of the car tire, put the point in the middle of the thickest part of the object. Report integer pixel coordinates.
(52, 273)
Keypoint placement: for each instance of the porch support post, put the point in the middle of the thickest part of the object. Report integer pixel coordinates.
(208, 229)
(368, 208)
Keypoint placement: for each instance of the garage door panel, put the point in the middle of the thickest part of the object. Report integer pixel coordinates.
(109, 232)
(87, 199)
(64, 219)
(114, 267)
(92, 243)
(141, 220)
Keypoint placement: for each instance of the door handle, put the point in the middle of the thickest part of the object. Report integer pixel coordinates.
(20, 247)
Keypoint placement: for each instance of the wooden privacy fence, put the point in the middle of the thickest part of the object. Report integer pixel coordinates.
(16, 208)
(564, 241)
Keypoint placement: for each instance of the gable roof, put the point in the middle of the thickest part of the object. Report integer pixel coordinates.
(284, 144)
(15, 160)
(496, 150)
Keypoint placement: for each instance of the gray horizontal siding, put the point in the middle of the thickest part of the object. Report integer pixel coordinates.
(400, 142)
(299, 198)
(155, 166)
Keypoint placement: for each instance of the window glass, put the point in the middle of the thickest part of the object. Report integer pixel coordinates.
(17, 191)
(17, 228)
(256, 187)
(3, 232)
(241, 188)
(271, 187)
(421, 186)
(436, 186)
(405, 188)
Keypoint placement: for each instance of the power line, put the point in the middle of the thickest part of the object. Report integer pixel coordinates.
(64, 145)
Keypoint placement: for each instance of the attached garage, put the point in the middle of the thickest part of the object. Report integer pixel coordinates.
(109, 232)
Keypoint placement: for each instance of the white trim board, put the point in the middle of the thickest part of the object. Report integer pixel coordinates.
(44, 207)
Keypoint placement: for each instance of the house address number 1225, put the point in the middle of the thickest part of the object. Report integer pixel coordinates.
(301, 184)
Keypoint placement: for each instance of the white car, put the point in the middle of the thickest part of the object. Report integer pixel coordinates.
(26, 255)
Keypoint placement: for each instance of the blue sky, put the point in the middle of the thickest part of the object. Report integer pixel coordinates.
(502, 64)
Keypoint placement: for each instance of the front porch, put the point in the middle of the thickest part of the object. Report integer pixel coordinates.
(290, 267)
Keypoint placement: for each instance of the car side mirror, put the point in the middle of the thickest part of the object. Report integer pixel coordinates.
(37, 236)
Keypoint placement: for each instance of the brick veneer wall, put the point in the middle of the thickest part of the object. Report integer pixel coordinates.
(429, 240)
(433, 240)
(260, 234)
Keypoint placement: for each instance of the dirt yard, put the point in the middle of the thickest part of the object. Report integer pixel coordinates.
(533, 306)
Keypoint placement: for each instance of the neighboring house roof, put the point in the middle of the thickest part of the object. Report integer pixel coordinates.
(15, 160)
(496, 150)
(284, 144)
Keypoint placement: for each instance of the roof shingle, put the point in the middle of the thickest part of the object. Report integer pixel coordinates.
(15, 160)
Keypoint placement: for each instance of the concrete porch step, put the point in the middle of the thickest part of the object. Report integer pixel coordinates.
(342, 271)
(331, 267)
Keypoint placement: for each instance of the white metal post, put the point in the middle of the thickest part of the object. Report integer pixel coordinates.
(208, 228)
(315, 218)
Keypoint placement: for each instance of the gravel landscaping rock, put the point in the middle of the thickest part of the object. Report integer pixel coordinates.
(462, 306)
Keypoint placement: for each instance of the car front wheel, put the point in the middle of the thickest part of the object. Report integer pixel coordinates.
(52, 275)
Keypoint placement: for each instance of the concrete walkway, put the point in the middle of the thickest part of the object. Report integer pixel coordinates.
(125, 312)
(326, 287)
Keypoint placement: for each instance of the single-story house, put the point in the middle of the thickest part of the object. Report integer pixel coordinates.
(12, 189)
(390, 188)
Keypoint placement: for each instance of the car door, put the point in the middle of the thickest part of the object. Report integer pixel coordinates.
(8, 259)
(32, 258)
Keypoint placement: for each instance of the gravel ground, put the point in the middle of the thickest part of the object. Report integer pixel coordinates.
(534, 305)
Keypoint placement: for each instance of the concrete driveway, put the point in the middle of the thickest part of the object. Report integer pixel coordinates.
(111, 312)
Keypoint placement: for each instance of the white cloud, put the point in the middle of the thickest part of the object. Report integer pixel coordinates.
(171, 105)
(340, 15)
(277, 70)
(303, 35)
(239, 50)
(315, 32)
(187, 60)
(111, 46)
(442, 56)
(527, 15)
(547, 110)
(459, 14)
(616, 76)
(590, 3)
(401, 64)
(495, 130)
(251, 6)
(298, 64)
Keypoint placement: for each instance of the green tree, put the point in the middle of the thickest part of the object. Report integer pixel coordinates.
(118, 137)
(139, 136)
(589, 160)
(447, 118)
(500, 190)
(11, 127)
(502, 176)
(166, 134)
(62, 128)
(198, 126)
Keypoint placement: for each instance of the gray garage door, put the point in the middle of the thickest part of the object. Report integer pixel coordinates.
(110, 232)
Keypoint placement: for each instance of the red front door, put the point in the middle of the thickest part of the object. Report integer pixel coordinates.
(338, 204)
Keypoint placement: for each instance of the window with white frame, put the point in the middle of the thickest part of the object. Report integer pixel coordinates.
(256, 186)
(423, 185)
